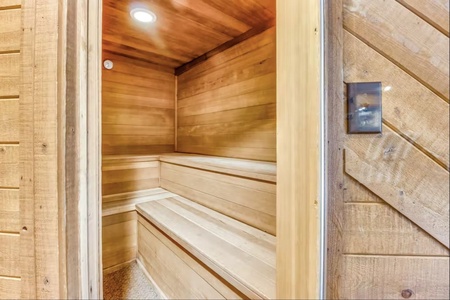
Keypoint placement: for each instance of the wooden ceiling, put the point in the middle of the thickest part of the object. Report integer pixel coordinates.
(185, 29)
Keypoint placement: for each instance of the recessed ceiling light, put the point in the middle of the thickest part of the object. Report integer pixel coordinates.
(143, 15)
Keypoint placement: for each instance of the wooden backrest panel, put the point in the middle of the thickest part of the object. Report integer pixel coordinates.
(226, 105)
(248, 200)
(138, 104)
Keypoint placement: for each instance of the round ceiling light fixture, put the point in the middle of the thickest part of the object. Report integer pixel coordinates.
(143, 15)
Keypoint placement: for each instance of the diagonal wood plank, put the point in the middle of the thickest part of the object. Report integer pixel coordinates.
(404, 38)
(407, 105)
(435, 12)
(404, 177)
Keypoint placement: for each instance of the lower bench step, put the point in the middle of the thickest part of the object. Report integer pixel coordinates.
(230, 258)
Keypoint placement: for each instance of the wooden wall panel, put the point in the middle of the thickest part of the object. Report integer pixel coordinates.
(394, 211)
(137, 107)
(119, 238)
(10, 222)
(385, 277)
(226, 105)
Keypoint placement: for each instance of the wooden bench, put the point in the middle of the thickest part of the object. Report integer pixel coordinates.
(194, 252)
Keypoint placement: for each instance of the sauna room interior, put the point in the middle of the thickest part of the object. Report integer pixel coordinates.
(189, 149)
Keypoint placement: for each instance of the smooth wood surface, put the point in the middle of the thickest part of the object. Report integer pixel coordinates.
(258, 170)
(172, 272)
(119, 236)
(423, 197)
(251, 202)
(226, 105)
(416, 47)
(125, 174)
(298, 141)
(242, 255)
(426, 277)
(9, 168)
(206, 25)
(417, 120)
(137, 107)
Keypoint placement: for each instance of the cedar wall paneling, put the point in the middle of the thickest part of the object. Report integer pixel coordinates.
(395, 224)
(138, 107)
(226, 105)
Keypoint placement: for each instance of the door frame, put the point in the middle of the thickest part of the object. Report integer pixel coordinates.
(302, 23)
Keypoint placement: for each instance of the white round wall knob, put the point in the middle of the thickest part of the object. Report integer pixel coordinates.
(108, 64)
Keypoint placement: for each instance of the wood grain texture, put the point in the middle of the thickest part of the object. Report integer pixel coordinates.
(9, 210)
(231, 88)
(26, 134)
(435, 12)
(248, 201)
(119, 240)
(9, 287)
(9, 255)
(334, 99)
(298, 139)
(206, 25)
(9, 120)
(172, 274)
(379, 228)
(10, 29)
(404, 38)
(242, 255)
(9, 167)
(417, 120)
(388, 166)
(426, 277)
(9, 74)
(137, 107)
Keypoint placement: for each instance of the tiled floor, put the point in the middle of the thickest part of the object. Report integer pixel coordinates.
(129, 282)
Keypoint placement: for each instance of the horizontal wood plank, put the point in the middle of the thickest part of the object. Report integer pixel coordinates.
(9, 255)
(9, 210)
(9, 74)
(171, 273)
(10, 31)
(385, 277)
(119, 238)
(379, 229)
(256, 279)
(9, 168)
(9, 120)
(388, 165)
(9, 287)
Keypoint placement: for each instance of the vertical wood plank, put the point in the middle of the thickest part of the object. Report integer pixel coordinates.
(335, 144)
(26, 165)
(45, 147)
(298, 164)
